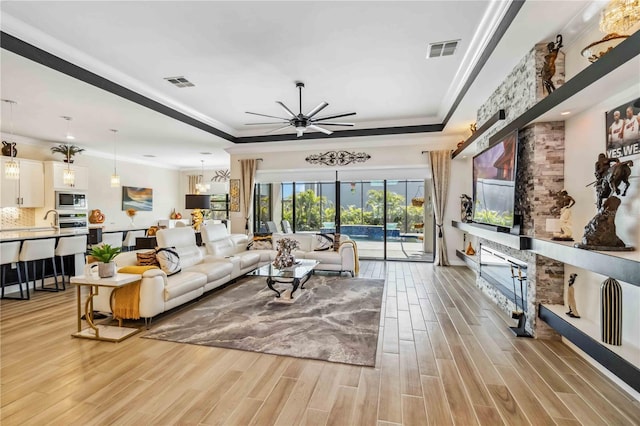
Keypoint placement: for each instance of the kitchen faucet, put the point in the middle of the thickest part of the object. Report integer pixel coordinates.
(55, 224)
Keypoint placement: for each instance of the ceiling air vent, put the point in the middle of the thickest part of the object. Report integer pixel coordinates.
(442, 48)
(179, 82)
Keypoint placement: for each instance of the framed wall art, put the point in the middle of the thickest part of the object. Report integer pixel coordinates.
(140, 199)
(234, 195)
(623, 130)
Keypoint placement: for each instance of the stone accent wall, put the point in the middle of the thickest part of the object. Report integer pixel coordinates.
(540, 171)
(521, 89)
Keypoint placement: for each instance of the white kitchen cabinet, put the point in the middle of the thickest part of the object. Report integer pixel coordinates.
(55, 173)
(28, 191)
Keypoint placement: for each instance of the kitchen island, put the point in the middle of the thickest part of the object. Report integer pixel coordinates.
(72, 263)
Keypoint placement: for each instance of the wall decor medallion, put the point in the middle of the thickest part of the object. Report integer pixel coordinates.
(338, 158)
(234, 195)
(221, 175)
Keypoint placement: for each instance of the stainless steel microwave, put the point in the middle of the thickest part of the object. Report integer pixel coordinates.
(71, 200)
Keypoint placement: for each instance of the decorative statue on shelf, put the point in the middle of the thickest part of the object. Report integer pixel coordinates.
(549, 66)
(473, 127)
(573, 310)
(600, 232)
(564, 202)
(466, 208)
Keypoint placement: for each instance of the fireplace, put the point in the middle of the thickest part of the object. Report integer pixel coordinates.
(503, 272)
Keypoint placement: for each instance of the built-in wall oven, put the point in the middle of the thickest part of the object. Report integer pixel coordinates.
(71, 200)
(68, 219)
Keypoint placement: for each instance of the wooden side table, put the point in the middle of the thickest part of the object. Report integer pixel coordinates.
(108, 333)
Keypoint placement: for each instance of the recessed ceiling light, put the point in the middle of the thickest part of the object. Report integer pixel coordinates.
(148, 155)
(205, 153)
(565, 113)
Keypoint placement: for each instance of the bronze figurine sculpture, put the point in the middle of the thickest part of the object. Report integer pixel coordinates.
(564, 202)
(600, 232)
(549, 66)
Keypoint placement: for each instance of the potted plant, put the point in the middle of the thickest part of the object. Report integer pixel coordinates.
(67, 150)
(105, 254)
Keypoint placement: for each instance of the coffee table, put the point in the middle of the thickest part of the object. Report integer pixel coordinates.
(296, 275)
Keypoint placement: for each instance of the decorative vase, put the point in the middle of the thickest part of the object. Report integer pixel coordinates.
(173, 214)
(611, 312)
(470, 251)
(106, 270)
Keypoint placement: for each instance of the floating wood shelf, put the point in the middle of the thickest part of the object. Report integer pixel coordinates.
(519, 242)
(500, 115)
(471, 261)
(605, 263)
(620, 360)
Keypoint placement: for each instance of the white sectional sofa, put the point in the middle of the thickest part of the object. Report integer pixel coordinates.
(159, 292)
(223, 258)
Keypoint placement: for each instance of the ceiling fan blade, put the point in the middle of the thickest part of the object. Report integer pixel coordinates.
(334, 116)
(319, 129)
(257, 124)
(335, 124)
(317, 109)
(279, 128)
(284, 107)
(265, 115)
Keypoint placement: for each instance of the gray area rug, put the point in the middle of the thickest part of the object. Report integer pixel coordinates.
(332, 319)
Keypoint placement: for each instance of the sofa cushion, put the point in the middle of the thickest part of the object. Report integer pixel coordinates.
(248, 259)
(147, 258)
(184, 241)
(324, 242)
(327, 257)
(169, 260)
(183, 283)
(260, 242)
(213, 270)
(305, 241)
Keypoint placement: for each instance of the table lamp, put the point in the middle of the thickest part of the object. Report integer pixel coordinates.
(197, 203)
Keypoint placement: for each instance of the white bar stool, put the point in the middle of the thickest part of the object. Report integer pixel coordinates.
(34, 250)
(114, 239)
(9, 254)
(69, 246)
(130, 239)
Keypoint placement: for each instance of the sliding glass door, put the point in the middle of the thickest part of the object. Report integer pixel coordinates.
(389, 219)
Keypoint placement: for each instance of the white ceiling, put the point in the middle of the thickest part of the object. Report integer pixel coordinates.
(367, 57)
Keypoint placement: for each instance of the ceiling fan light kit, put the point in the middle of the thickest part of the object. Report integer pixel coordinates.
(303, 122)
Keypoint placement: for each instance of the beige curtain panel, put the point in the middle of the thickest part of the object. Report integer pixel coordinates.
(193, 181)
(248, 170)
(440, 163)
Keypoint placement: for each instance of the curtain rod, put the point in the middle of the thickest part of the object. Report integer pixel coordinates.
(257, 159)
(423, 152)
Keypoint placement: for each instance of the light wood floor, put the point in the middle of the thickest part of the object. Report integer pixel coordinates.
(445, 356)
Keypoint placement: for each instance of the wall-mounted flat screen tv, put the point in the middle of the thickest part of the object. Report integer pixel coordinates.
(494, 183)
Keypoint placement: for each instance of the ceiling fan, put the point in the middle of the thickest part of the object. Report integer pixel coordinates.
(301, 122)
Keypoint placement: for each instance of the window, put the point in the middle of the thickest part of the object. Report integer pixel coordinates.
(262, 206)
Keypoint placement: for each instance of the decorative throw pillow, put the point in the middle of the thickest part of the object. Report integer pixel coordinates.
(169, 260)
(260, 242)
(324, 242)
(147, 258)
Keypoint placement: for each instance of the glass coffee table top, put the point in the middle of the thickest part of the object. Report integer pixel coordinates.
(302, 268)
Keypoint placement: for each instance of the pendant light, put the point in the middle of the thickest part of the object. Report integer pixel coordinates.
(202, 187)
(115, 178)
(11, 167)
(68, 175)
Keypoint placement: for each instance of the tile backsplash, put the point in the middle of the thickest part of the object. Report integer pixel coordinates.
(14, 217)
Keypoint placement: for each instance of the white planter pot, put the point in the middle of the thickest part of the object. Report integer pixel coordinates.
(106, 270)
